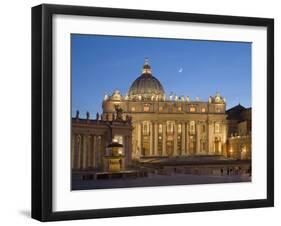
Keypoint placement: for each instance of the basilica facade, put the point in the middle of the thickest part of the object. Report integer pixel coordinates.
(169, 125)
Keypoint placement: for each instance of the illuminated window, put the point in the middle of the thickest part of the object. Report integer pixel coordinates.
(160, 128)
(192, 127)
(179, 128)
(218, 110)
(133, 109)
(146, 108)
(170, 127)
(217, 127)
(192, 109)
(203, 109)
(179, 108)
(160, 108)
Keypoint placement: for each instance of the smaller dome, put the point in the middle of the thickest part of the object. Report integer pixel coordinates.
(217, 99)
(116, 95)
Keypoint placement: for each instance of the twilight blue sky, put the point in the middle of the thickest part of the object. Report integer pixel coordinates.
(101, 64)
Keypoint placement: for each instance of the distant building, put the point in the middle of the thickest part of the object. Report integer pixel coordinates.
(239, 132)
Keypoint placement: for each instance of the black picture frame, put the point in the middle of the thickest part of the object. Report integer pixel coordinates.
(42, 111)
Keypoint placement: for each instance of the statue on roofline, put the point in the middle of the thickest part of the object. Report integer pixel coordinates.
(119, 112)
(77, 114)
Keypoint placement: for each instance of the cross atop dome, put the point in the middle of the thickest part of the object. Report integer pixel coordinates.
(146, 61)
(146, 67)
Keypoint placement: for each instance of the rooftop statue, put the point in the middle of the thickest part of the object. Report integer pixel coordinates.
(119, 112)
(77, 114)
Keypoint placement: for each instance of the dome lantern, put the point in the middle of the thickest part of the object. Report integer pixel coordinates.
(146, 67)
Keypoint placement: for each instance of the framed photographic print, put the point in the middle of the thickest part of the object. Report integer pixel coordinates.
(145, 112)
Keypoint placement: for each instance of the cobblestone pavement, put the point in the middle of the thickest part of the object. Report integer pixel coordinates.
(157, 180)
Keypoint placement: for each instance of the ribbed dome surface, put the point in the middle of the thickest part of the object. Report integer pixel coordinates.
(146, 85)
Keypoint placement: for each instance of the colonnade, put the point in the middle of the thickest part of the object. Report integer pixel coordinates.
(185, 141)
(88, 150)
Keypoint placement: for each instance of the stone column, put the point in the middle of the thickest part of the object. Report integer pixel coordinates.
(183, 150)
(97, 154)
(129, 146)
(78, 152)
(175, 153)
(85, 152)
(187, 138)
(139, 142)
(126, 150)
(73, 145)
(93, 152)
(164, 126)
(207, 138)
(151, 132)
(224, 132)
(156, 139)
(101, 149)
(197, 137)
(81, 152)
(220, 146)
(89, 152)
(210, 138)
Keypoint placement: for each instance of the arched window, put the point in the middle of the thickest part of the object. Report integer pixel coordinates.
(146, 108)
(170, 128)
(160, 128)
(192, 109)
(179, 128)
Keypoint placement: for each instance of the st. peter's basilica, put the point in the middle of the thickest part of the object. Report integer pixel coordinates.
(148, 123)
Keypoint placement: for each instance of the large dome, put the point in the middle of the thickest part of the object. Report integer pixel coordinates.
(146, 86)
